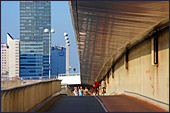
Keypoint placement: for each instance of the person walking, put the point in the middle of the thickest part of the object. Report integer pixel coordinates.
(86, 91)
(80, 91)
(75, 92)
(103, 85)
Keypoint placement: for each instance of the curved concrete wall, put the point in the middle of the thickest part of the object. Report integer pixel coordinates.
(10, 83)
(26, 97)
(142, 79)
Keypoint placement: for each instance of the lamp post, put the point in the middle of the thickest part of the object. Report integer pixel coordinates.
(47, 31)
(74, 69)
(67, 53)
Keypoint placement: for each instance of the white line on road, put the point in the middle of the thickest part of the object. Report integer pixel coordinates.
(101, 104)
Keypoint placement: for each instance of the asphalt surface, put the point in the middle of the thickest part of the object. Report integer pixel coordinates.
(64, 103)
(123, 103)
(116, 103)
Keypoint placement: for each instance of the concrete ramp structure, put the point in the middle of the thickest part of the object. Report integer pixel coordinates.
(126, 43)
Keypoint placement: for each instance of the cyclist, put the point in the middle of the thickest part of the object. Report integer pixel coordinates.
(96, 87)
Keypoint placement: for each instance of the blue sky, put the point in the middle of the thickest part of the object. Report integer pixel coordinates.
(60, 20)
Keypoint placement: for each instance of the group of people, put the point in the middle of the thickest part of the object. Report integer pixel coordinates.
(96, 85)
(95, 90)
(81, 92)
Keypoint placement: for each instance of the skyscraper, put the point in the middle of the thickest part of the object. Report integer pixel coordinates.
(58, 60)
(10, 57)
(35, 16)
(14, 60)
(4, 60)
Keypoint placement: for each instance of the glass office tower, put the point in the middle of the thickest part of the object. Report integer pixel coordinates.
(58, 60)
(35, 16)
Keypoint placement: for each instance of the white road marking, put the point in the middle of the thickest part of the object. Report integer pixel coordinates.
(101, 104)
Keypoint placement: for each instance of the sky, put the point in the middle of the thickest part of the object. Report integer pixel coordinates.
(60, 21)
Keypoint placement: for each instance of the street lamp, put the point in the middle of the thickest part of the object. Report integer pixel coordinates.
(67, 52)
(74, 69)
(47, 31)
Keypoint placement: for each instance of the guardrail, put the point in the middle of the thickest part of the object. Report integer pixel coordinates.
(26, 97)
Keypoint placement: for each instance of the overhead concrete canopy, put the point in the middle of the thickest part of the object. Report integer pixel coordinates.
(105, 29)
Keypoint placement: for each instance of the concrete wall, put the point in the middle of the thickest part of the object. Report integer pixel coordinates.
(142, 79)
(66, 90)
(24, 98)
(10, 83)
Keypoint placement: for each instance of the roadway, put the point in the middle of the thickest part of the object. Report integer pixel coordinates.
(64, 103)
(124, 103)
(117, 103)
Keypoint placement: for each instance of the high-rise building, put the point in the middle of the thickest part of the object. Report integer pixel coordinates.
(4, 60)
(58, 60)
(35, 16)
(14, 56)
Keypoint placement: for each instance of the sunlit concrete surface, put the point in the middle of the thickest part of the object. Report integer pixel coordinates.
(24, 98)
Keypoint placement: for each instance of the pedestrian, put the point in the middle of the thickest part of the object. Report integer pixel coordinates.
(86, 91)
(89, 93)
(75, 91)
(103, 85)
(80, 91)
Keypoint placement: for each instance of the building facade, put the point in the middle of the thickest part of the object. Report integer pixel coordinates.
(4, 60)
(14, 56)
(35, 16)
(58, 60)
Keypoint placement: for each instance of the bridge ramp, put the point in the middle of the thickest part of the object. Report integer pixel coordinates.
(124, 103)
(66, 103)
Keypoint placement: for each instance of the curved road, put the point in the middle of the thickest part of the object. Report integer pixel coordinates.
(117, 103)
(65, 103)
(124, 103)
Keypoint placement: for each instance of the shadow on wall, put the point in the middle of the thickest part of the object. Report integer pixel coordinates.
(145, 50)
